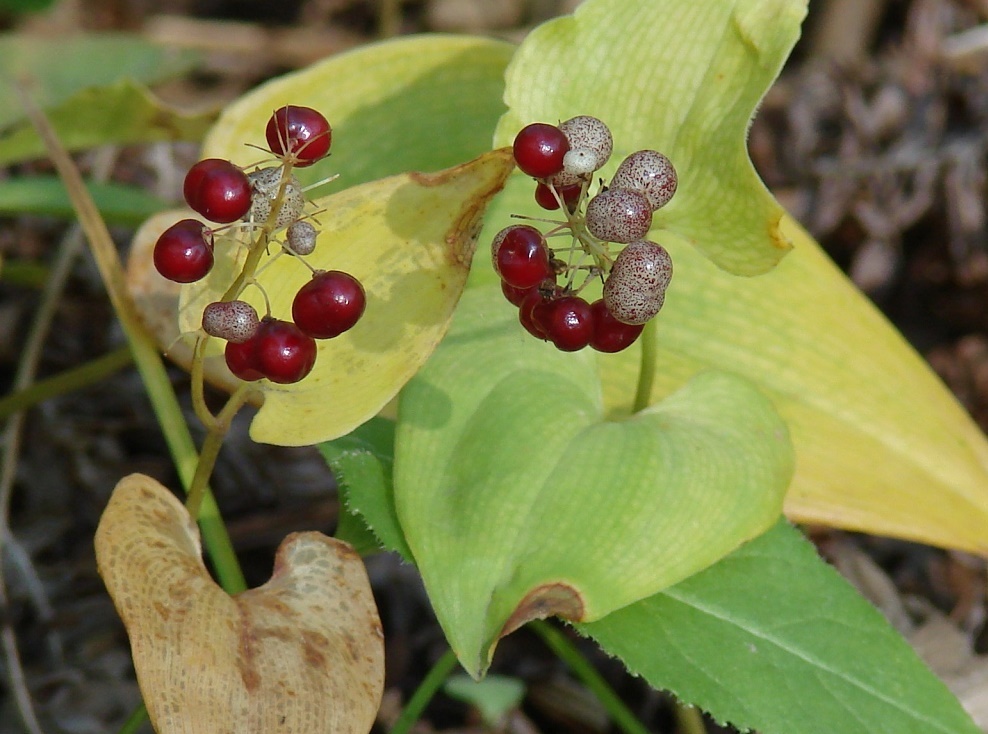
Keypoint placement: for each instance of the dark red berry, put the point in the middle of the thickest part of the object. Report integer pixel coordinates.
(184, 251)
(539, 149)
(569, 194)
(241, 358)
(568, 323)
(218, 190)
(530, 312)
(522, 257)
(609, 334)
(284, 354)
(299, 133)
(329, 304)
(514, 295)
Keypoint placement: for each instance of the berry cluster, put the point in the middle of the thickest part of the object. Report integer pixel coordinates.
(542, 281)
(263, 202)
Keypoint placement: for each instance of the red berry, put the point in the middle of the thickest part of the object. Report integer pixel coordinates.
(184, 251)
(241, 358)
(568, 322)
(514, 295)
(329, 304)
(539, 149)
(522, 257)
(299, 133)
(284, 354)
(218, 190)
(609, 334)
(530, 312)
(569, 194)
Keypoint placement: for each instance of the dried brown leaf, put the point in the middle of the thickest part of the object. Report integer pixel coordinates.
(302, 654)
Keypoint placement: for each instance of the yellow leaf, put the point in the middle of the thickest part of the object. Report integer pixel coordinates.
(881, 444)
(302, 654)
(409, 239)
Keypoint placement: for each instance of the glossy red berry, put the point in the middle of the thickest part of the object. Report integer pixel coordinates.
(522, 256)
(609, 334)
(515, 296)
(568, 322)
(569, 194)
(329, 304)
(530, 313)
(218, 190)
(299, 133)
(539, 149)
(241, 358)
(284, 354)
(184, 251)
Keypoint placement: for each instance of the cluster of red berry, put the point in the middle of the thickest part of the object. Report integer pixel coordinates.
(563, 158)
(222, 192)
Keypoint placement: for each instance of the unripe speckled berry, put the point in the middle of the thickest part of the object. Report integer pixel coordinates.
(264, 185)
(235, 321)
(580, 162)
(635, 289)
(619, 215)
(649, 172)
(301, 238)
(585, 132)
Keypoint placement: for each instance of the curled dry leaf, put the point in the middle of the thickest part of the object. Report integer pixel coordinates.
(302, 654)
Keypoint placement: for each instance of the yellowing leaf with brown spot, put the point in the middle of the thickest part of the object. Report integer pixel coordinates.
(409, 239)
(302, 654)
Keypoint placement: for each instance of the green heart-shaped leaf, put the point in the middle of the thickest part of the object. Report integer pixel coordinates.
(681, 79)
(518, 499)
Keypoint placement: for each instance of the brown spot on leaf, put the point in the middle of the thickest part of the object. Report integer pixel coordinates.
(555, 599)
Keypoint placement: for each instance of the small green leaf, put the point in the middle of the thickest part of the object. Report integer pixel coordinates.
(362, 464)
(773, 639)
(683, 79)
(46, 195)
(518, 499)
(121, 113)
(493, 697)
(54, 69)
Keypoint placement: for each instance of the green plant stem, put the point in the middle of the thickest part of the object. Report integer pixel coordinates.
(424, 693)
(145, 352)
(211, 445)
(689, 719)
(65, 382)
(135, 720)
(646, 370)
(567, 652)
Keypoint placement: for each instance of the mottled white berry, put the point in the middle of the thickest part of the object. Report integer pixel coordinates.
(649, 172)
(588, 133)
(264, 185)
(235, 321)
(301, 238)
(580, 161)
(635, 289)
(619, 215)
